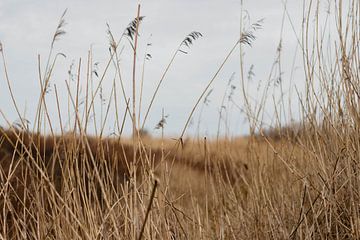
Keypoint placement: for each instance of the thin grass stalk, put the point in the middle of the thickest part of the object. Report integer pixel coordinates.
(158, 87)
(107, 110)
(134, 131)
(134, 75)
(88, 76)
(152, 196)
(97, 88)
(207, 88)
(10, 89)
(42, 102)
(146, 55)
(77, 93)
(48, 69)
(221, 108)
(117, 117)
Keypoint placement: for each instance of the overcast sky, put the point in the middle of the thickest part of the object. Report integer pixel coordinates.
(27, 27)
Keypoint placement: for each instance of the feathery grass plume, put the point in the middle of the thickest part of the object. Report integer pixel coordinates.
(131, 29)
(248, 36)
(60, 29)
(162, 122)
(189, 40)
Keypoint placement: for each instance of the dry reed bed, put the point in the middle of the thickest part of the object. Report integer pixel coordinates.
(294, 182)
(247, 188)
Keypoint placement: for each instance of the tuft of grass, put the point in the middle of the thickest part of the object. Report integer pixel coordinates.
(59, 29)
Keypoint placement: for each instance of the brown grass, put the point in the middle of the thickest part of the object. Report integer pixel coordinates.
(29, 160)
(289, 181)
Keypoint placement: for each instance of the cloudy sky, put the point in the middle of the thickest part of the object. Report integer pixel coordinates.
(27, 27)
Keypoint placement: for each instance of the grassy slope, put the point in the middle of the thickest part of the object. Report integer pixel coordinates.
(240, 189)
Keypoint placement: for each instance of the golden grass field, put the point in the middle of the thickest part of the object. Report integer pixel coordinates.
(289, 181)
(251, 187)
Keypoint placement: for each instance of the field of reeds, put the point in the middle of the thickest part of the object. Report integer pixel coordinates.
(292, 180)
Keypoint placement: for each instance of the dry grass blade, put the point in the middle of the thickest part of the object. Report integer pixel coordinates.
(152, 196)
(112, 41)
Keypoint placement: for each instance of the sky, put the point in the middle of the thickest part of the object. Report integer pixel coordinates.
(27, 28)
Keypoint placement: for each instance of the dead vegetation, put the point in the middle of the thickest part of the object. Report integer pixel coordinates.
(289, 181)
